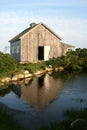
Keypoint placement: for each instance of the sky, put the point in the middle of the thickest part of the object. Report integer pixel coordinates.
(67, 18)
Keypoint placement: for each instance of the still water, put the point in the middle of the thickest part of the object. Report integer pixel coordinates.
(43, 100)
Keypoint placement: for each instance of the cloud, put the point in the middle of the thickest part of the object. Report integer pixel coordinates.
(73, 31)
(12, 17)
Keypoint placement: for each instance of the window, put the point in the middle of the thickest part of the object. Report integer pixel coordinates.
(12, 50)
(69, 49)
(17, 49)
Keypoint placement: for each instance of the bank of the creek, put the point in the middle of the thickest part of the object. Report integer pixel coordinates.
(26, 75)
(42, 101)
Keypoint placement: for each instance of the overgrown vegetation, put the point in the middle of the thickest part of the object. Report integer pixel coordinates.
(73, 61)
(77, 120)
(7, 122)
(33, 67)
(7, 64)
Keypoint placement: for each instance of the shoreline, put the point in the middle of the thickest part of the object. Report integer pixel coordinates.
(26, 74)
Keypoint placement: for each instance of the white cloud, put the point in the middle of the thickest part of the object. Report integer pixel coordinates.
(11, 18)
(73, 31)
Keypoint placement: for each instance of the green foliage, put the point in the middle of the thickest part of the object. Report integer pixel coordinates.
(5, 91)
(7, 63)
(6, 121)
(57, 62)
(34, 67)
(76, 67)
(73, 115)
(73, 61)
(77, 59)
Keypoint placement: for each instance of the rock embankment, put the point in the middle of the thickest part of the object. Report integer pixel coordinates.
(26, 74)
(18, 76)
(21, 76)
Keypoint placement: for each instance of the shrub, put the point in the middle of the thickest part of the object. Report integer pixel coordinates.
(76, 67)
(7, 63)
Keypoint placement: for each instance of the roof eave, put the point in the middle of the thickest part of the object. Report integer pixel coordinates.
(68, 44)
(13, 40)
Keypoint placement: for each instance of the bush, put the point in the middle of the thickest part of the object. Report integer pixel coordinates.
(76, 67)
(7, 63)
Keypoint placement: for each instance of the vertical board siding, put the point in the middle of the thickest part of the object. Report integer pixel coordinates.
(39, 36)
(15, 50)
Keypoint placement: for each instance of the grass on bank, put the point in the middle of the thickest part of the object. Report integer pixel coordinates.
(33, 67)
(77, 120)
(72, 61)
(7, 122)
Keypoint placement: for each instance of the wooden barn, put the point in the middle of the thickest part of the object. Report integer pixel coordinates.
(38, 42)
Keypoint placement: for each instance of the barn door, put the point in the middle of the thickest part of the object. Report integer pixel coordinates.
(43, 52)
(40, 53)
(46, 52)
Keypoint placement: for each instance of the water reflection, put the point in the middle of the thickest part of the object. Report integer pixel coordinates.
(69, 90)
(41, 92)
(17, 90)
(6, 90)
(40, 82)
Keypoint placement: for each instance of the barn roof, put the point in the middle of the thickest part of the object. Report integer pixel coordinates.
(68, 45)
(32, 26)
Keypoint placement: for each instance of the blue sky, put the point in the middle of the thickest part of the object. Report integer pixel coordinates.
(68, 18)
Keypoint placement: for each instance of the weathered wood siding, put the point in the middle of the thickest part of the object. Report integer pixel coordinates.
(15, 50)
(39, 36)
(65, 48)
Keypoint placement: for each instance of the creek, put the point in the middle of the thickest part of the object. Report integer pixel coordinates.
(45, 99)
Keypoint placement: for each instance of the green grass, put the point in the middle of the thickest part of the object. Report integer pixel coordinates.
(7, 122)
(33, 67)
(72, 116)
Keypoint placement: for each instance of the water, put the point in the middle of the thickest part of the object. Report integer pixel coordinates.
(45, 99)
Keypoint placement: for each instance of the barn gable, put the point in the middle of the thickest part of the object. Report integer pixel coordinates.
(32, 26)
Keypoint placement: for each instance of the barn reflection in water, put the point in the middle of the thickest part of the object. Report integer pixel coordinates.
(41, 92)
